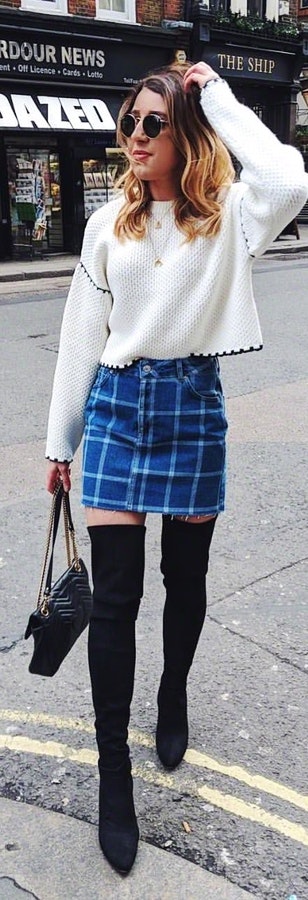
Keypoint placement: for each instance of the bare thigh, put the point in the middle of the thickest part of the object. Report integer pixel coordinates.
(113, 517)
(194, 520)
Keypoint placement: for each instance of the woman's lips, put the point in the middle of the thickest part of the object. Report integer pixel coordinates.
(140, 155)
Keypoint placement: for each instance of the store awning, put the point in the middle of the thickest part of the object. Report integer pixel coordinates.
(47, 112)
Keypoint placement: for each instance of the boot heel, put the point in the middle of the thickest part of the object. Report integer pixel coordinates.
(118, 827)
(172, 726)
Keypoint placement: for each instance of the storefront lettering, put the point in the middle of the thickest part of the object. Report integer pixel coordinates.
(49, 53)
(256, 64)
(57, 113)
(40, 52)
(80, 56)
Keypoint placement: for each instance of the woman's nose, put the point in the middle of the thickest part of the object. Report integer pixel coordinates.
(138, 130)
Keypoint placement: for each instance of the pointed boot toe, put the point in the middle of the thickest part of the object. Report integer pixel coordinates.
(172, 728)
(119, 844)
(118, 827)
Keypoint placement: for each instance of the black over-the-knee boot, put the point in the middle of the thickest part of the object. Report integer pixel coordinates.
(185, 554)
(117, 571)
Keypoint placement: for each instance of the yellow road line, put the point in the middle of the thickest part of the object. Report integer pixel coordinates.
(259, 782)
(193, 757)
(12, 715)
(255, 814)
(227, 802)
(21, 744)
(16, 715)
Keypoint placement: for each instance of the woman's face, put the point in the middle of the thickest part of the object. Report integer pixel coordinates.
(155, 160)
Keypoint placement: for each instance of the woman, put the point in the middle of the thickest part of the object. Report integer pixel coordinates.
(162, 290)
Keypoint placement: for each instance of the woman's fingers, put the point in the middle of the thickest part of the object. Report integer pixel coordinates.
(199, 74)
(57, 472)
(65, 476)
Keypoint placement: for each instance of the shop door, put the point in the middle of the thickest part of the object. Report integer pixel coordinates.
(5, 230)
(5, 236)
(35, 201)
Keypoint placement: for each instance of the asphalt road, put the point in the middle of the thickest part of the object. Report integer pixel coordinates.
(237, 805)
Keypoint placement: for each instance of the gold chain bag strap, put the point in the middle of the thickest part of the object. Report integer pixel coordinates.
(64, 607)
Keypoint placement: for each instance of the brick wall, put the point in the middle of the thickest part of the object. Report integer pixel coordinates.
(149, 12)
(82, 8)
(293, 8)
(173, 9)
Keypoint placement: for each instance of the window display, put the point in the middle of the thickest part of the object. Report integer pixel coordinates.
(95, 185)
(35, 199)
(100, 178)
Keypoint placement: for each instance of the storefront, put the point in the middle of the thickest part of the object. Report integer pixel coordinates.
(61, 87)
(59, 165)
(262, 69)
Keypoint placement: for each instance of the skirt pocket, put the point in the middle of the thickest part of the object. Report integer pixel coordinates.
(202, 380)
(102, 377)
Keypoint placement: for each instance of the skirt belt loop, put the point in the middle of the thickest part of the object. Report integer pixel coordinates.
(179, 369)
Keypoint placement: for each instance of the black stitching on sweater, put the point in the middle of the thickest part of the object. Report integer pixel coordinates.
(228, 352)
(54, 459)
(119, 367)
(243, 230)
(104, 290)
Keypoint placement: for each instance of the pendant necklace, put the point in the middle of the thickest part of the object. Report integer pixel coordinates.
(157, 224)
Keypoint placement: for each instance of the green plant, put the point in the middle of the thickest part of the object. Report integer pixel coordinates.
(253, 24)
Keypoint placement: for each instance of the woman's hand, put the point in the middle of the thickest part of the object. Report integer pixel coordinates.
(58, 471)
(199, 74)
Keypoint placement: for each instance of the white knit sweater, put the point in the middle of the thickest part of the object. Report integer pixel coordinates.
(199, 301)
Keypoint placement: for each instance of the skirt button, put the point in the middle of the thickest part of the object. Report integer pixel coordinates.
(146, 368)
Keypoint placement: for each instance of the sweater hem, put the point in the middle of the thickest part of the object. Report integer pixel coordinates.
(54, 459)
(234, 352)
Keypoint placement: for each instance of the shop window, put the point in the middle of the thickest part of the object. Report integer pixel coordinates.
(219, 5)
(45, 6)
(256, 8)
(100, 177)
(116, 10)
(258, 109)
(35, 201)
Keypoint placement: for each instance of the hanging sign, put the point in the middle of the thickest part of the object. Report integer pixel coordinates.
(29, 111)
(234, 62)
(78, 58)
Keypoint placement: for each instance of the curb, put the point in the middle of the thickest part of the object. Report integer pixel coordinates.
(49, 855)
(30, 276)
(285, 251)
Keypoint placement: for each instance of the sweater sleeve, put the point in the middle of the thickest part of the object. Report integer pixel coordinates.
(274, 182)
(83, 337)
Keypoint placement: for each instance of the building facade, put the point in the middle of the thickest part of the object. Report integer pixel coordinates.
(63, 79)
(65, 69)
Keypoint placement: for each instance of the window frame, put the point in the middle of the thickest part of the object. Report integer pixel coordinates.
(129, 14)
(262, 10)
(55, 7)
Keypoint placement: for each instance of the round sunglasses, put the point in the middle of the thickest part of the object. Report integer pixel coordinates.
(152, 124)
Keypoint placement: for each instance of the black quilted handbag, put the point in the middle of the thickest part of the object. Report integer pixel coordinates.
(63, 608)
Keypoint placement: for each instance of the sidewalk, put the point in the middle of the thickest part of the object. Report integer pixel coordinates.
(63, 264)
(50, 856)
(57, 265)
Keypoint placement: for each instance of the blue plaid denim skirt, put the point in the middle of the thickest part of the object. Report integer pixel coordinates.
(154, 438)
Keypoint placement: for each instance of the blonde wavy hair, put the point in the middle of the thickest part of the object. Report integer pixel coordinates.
(206, 171)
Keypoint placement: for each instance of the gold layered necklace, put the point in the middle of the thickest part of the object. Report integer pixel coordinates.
(157, 224)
